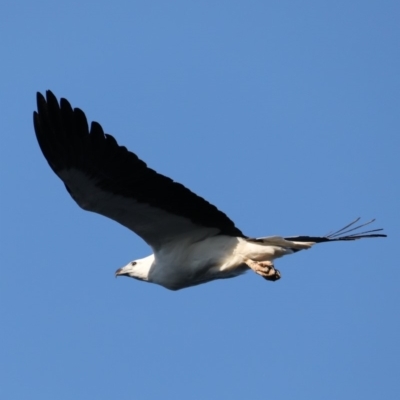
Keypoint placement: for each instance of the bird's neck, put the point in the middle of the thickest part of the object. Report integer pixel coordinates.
(142, 268)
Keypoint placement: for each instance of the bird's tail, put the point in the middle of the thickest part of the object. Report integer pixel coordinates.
(305, 242)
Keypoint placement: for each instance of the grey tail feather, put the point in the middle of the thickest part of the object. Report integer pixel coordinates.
(341, 234)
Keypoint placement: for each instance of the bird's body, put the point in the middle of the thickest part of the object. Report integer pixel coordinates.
(192, 241)
(185, 263)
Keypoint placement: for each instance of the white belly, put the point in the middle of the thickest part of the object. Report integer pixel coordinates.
(183, 264)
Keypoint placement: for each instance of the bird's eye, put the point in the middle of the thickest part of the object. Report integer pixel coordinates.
(133, 263)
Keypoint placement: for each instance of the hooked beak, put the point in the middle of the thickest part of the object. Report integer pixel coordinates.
(120, 272)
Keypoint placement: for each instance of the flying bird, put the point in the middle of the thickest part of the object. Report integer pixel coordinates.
(192, 241)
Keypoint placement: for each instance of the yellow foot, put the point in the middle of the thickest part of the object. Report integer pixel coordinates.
(265, 269)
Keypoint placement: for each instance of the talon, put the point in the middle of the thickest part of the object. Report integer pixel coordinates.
(274, 277)
(265, 269)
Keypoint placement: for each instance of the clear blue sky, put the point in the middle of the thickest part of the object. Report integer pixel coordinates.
(283, 114)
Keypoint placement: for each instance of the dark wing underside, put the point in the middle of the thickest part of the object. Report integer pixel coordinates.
(342, 234)
(297, 243)
(106, 178)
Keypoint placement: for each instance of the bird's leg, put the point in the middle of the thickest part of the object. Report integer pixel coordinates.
(264, 268)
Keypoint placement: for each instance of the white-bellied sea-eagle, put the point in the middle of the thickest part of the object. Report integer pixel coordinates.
(192, 241)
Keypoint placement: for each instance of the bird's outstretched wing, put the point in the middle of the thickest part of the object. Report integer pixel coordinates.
(297, 243)
(106, 178)
(342, 234)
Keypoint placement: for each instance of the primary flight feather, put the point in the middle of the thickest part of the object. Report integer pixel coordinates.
(192, 241)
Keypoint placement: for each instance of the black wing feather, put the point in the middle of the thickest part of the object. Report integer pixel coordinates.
(340, 235)
(66, 142)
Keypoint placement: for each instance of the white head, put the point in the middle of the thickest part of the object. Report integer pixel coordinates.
(138, 269)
